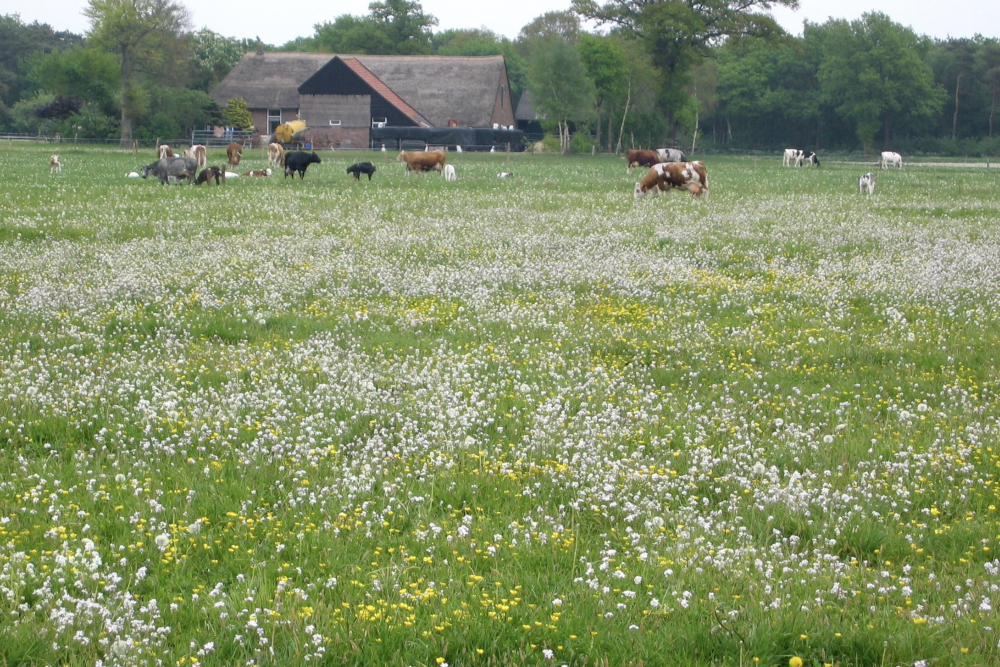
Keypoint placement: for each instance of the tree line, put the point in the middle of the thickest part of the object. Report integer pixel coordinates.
(710, 73)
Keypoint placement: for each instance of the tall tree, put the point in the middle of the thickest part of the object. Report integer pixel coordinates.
(678, 31)
(607, 67)
(20, 43)
(405, 24)
(392, 27)
(558, 80)
(213, 56)
(988, 63)
(145, 35)
(875, 72)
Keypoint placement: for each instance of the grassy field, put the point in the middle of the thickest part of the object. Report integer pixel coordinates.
(522, 421)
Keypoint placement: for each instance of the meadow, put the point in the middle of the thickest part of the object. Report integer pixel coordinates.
(522, 421)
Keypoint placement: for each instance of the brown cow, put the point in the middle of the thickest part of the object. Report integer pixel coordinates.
(164, 151)
(198, 153)
(208, 174)
(258, 173)
(640, 158)
(234, 151)
(423, 161)
(690, 176)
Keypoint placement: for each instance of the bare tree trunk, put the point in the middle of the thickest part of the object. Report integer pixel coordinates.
(621, 130)
(729, 131)
(598, 124)
(993, 106)
(126, 125)
(954, 121)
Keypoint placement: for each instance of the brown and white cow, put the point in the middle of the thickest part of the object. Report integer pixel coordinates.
(690, 176)
(640, 158)
(164, 151)
(198, 153)
(234, 152)
(422, 161)
(276, 155)
(55, 166)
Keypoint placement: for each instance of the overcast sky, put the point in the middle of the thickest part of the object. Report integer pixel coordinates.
(277, 23)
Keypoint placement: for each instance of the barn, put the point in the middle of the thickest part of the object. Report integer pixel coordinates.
(343, 98)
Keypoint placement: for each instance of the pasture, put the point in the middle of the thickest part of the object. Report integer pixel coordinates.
(523, 421)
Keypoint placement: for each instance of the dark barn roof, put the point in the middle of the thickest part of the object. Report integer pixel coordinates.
(444, 87)
(269, 80)
(426, 89)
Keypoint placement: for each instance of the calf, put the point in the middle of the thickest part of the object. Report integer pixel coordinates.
(299, 161)
(670, 155)
(690, 176)
(259, 173)
(234, 152)
(423, 161)
(275, 155)
(164, 151)
(55, 166)
(867, 183)
(640, 158)
(505, 174)
(208, 174)
(890, 159)
(198, 153)
(449, 173)
(807, 157)
(361, 168)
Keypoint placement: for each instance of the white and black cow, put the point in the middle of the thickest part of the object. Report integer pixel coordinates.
(807, 157)
(867, 183)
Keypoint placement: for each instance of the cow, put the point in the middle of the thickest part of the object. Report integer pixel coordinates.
(229, 174)
(361, 168)
(423, 161)
(867, 183)
(208, 174)
(299, 161)
(791, 155)
(164, 151)
(640, 158)
(671, 155)
(55, 166)
(234, 152)
(198, 153)
(173, 169)
(259, 173)
(449, 173)
(690, 176)
(890, 159)
(807, 157)
(275, 155)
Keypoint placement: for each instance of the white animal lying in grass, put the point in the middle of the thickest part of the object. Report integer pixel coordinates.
(132, 174)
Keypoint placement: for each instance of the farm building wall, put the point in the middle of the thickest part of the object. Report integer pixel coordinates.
(337, 137)
(503, 106)
(319, 111)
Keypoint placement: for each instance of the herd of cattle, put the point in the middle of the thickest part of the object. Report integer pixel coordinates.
(669, 168)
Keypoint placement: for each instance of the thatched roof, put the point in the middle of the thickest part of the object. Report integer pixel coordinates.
(443, 87)
(269, 80)
(526, 107)
(379, 86)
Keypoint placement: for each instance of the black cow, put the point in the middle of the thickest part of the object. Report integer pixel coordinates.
(361, 168)
(299, 161)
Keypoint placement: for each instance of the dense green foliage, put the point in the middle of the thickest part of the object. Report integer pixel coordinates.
(665, 68)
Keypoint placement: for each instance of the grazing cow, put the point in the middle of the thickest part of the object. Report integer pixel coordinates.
(234, 152)
(198, 153)
(449, 173)
(259, 173)
(164, 151)
(640, 158)
(422, 161)
(505, 174)
(299, 161)
(671, 155)
(867, 183)
(690, 176)
(791, 155)
(173, 169)
(275, 155)
(361, 168)
(55, 166)
(807, 157)
(890, 159)
(208, 174)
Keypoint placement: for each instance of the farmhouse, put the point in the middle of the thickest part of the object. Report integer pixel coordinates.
(343, 98)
